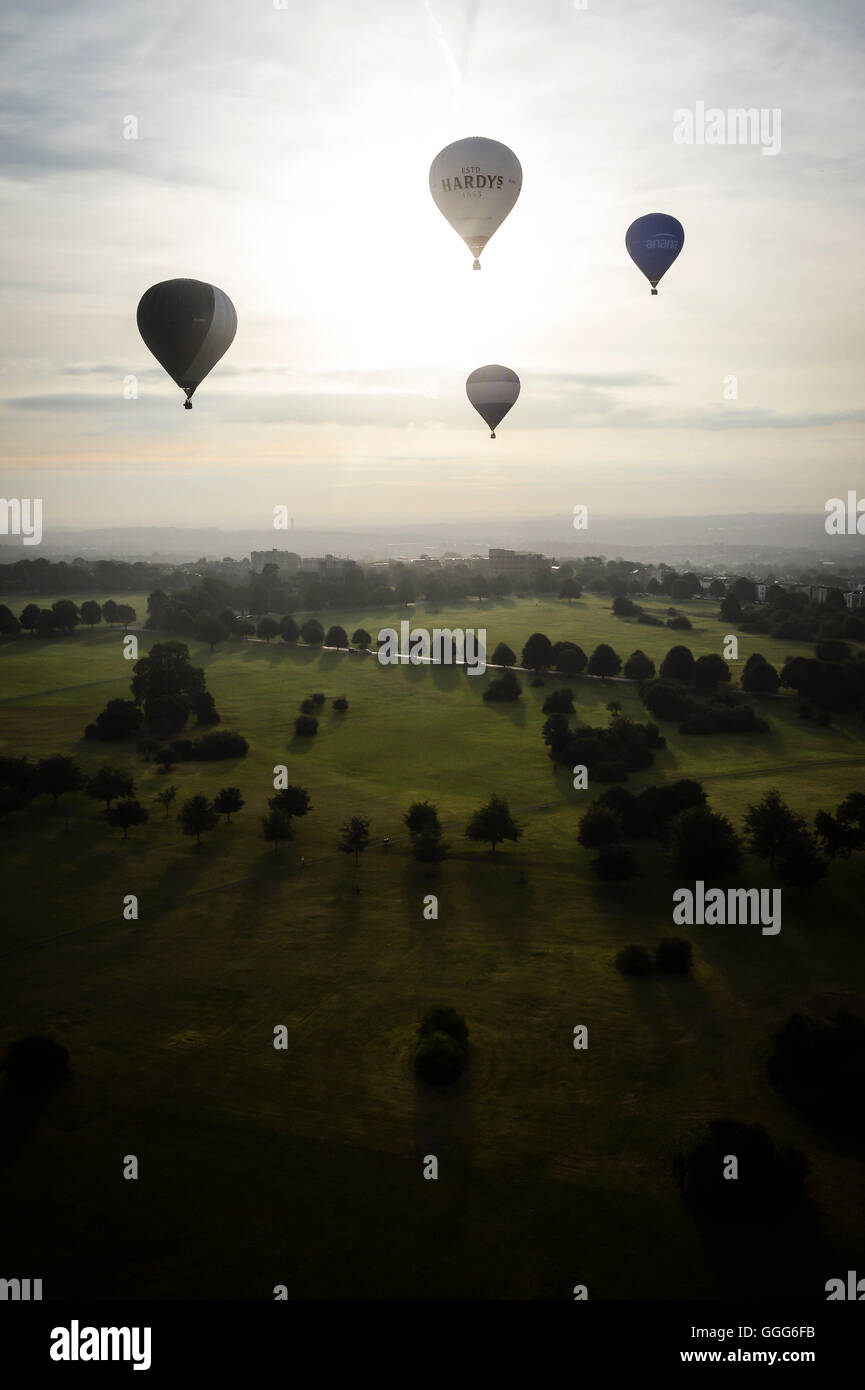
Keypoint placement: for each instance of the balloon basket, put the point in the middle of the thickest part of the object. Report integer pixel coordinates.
(476, 266)
(187, 405)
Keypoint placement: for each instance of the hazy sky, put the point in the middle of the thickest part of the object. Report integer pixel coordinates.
(283, 154)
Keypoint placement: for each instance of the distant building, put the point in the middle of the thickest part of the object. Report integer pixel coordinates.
(516, 564)
(855, 598)
(285, 560)
(326, 565)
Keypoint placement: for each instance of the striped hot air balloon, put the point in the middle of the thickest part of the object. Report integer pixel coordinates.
(188, 326)
(492, 391)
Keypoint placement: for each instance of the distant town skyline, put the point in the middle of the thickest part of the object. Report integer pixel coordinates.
(282, 154)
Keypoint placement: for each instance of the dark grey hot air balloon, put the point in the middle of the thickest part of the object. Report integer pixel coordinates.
(492, 391)
(188, 326)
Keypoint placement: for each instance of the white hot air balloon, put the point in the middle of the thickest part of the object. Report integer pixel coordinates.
(474, 184)
(492, 391)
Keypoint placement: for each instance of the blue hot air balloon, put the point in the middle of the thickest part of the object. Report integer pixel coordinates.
(653, 243)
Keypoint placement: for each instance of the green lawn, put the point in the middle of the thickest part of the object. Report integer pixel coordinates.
(261, 1167)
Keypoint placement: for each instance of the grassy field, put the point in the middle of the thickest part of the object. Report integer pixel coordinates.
(304, 1167)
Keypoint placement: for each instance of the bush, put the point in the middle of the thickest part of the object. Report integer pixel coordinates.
(718, 718)
(666, 699)
(439, 1060)
(166, 714)
(569, 659)
(674, 955)
(221, 743)
(680, 621)
(441, 1018)
(340, 704)
(559, 701)
(307, 707)
(504, 688)
(318, 699)
(306, 726)
(639, 667)
(119, 719)
(35, 1064)
(634, 960)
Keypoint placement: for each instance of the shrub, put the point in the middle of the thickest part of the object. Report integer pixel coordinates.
(674, 955)
(504, 688)
(680, 622)
(318, 699)
(340, 704)
(666, 699)
(559, 701)
(441, 1018)
(634, 960)
(306, 726)
(119, 719)
(221, 743)
(439, 1060)
(306, 707)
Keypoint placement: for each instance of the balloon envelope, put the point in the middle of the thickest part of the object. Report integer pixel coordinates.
(188, 326)
(653, 243)
(474, 184)
(492, 391)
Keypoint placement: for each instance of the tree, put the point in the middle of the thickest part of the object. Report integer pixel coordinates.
(107, 783)
(769, 825)
(288, 628)
(9, 624)
(196, 816)
(125, 614)
(166, 670)
(336, 637)
(616, 863)
(599, 826)
(604, 662)
(503, 656)
(209, 629)
(46, 622)
(438, 1059)
(204, 709)
(442, 1018)
(731, 609)
(167, 714)
(340, 704)
(745, 590)
(361, 638)
(165, 798)
(420, 817)
(120, 719)
(66, 615)
(570, 659)
(493, 823)
(312, 632)
(678, 665)
(503, 689)
(705, 845)
(56, 776)
(666, 699)
(758, 677)
(717, 588)
(832, 650)
(30, 617)
(91, 613)
(276, 827)
(639, 667)
(126, 814)
(291, 801)
(228, 802)
(710, 671)
(305, 726)
(569, 588)
(614, 707)
(537, 652)
(843, 833)
(318, 699)
(559, 701)
(267, 628)
(355, 836)
(800, 863)
(820, 1064)
(674, 955)
(428, 847)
